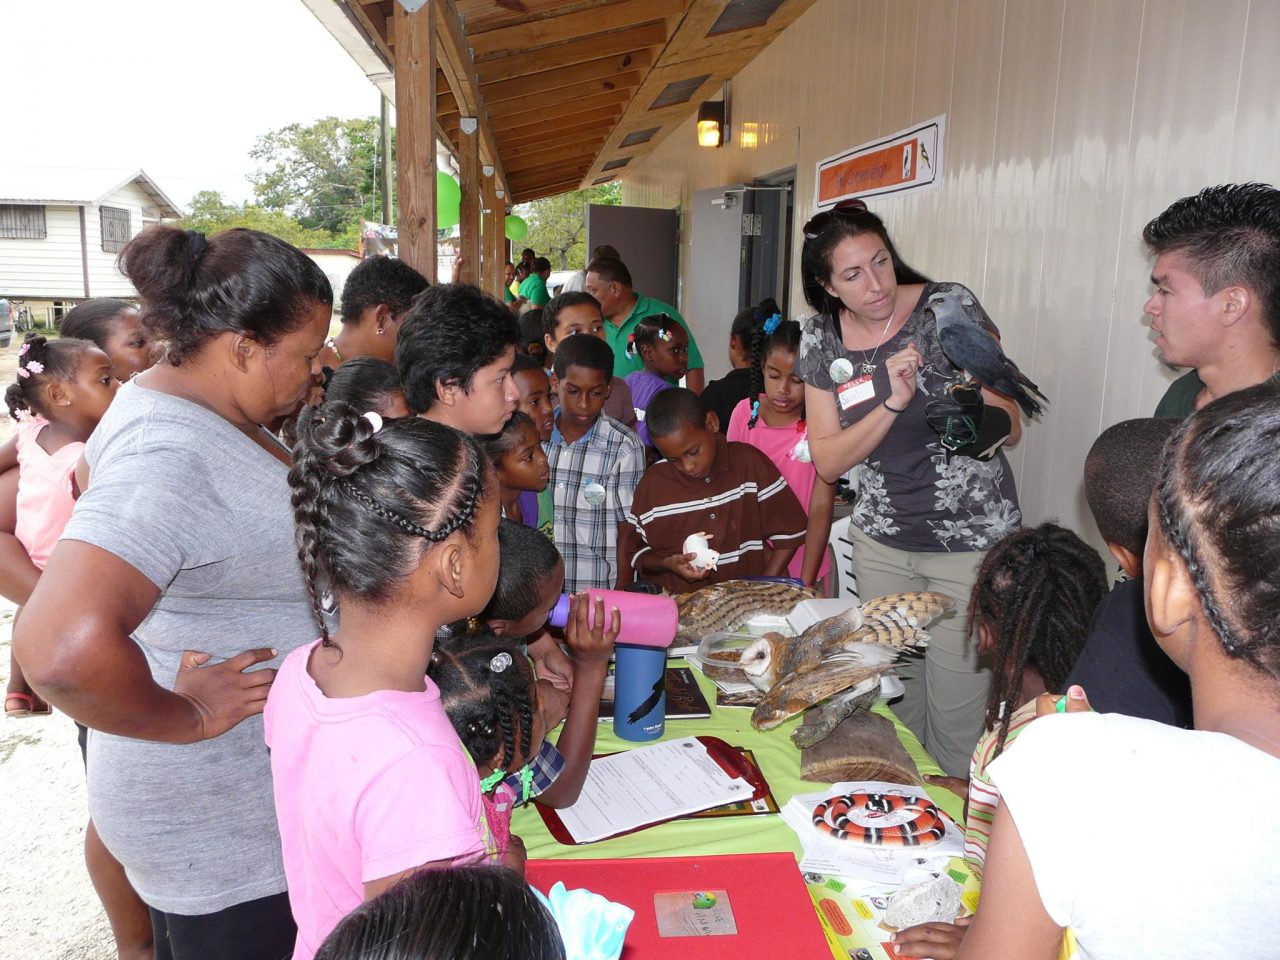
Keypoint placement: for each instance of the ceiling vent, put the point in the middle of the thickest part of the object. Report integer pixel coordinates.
(743, 15)
(616, 164)
(681, 91)
(640, 136)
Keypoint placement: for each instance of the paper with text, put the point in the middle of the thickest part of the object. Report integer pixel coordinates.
(649, 785)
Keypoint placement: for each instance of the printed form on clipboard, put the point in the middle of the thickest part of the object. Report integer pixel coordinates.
(649, 785)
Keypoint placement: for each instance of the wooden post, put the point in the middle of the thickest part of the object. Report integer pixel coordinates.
(469, 182)
(384, 159)
(415, 56)
(492, 234)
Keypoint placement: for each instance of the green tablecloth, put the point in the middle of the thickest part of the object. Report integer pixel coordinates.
(779, 761)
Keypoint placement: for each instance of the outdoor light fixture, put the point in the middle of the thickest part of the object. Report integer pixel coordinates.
(712, 123)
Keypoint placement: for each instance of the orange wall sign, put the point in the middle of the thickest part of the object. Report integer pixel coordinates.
(908, 160)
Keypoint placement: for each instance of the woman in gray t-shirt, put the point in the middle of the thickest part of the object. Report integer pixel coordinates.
(871, 363)
(176, 575)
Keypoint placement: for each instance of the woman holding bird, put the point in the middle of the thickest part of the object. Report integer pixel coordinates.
(894, 367)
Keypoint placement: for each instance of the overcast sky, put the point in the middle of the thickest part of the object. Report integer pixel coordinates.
(180, 88)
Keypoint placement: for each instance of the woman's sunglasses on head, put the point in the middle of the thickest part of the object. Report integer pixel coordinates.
(814, 226)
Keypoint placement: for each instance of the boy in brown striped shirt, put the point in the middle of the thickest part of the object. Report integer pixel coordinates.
(729, 491)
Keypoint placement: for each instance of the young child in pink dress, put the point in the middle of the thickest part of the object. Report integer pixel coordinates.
(771, 419)
(63, 389)
(398, 523)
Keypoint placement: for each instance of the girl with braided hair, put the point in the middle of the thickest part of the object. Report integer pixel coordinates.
(397, 523)
(772, 420)
(1032, 606)
(663, 346)
(1122, 828)
(488, 689)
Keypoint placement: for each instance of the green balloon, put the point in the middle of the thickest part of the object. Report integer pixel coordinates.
(448, 193)
(517, 229)
(447, 213)
(448, 201)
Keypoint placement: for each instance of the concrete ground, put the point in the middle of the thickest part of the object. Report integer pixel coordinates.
(47, 906)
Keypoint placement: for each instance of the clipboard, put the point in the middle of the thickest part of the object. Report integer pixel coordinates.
(771, 906)
(727, 757)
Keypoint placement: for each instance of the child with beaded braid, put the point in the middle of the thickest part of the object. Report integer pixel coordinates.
(1032, 604)
(397, 521)
(772, 420)
(489, 691)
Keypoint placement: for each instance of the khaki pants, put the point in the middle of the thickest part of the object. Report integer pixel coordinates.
(946, 698)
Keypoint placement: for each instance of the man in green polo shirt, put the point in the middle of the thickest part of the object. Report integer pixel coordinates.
(1216, 306)
(609, 281)
(534, 287)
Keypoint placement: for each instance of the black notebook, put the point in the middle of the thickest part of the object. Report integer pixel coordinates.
(685, 701)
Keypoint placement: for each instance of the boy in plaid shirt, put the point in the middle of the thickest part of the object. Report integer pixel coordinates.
(595, 462)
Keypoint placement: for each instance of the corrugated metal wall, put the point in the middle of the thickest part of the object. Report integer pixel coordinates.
(1070, 123)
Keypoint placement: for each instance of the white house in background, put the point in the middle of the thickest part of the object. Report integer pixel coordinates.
(62, 227)
(337, 265)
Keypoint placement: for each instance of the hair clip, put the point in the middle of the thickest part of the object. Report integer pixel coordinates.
(500, 662)
(374, 418)
(664, 335)
(631, 345)
(492, 780)
(755, 409)
(35, 366)
(23, 416)
(772, 324)
(23, 372)
(22, 351)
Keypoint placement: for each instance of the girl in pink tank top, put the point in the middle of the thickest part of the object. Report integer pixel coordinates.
(62, 390)
(772, 420)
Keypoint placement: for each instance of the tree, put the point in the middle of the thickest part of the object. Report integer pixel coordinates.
(210, 213)
(558, 225)
(325, 174)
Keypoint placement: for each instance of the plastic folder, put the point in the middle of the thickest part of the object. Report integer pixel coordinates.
(774, 915)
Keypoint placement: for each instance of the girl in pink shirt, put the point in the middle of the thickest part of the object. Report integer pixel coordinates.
(771, 419)
(62, 390)
(398, 523)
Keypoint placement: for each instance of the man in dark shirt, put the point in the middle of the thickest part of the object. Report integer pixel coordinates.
(1216, 306)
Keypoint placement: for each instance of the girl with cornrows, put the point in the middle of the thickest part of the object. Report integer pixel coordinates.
(663, 346)
(176, 575)
(873, 371)
(398, 521)
(1148, 840)
(772, 420)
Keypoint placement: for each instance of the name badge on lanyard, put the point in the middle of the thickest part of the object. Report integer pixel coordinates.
(856, 391)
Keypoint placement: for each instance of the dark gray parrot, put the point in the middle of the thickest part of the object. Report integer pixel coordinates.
(967, 337)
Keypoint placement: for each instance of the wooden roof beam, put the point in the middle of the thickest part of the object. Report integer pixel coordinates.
(527, 192)
(605, 70)
(525, 111)
(565, 160)
(546, 145)
(460, 71)
(561, 128)
(520, 127)
(520, 38)
(510, 66)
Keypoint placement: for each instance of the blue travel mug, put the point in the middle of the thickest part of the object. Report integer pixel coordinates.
(640, 692)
